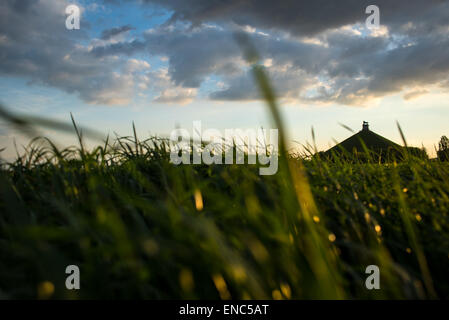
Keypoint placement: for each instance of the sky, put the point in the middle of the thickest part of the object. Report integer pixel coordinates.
(167, 63)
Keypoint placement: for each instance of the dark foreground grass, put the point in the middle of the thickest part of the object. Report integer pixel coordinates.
(140, 227)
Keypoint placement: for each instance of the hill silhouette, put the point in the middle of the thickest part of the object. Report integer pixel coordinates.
(375, 144)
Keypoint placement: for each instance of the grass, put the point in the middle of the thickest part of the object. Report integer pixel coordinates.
(139, 227)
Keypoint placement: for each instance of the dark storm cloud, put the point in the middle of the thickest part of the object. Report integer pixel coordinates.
(21, 5)
(425, 62)
(346, 68)
(195, 55)
(349, 68)
(312, 50)
(303, 17)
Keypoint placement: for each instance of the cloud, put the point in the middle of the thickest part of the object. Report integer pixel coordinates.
(195, 55)
(340, 66)
(330, 58)
(313, 51)
(113, 32)
(290, 85)
(316, 39)
(302, 17)
(102, 49)
(35, 44)
(414, 94)
(169, 92)
(181, 96)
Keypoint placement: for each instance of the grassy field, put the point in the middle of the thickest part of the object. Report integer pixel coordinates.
(140, 227)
